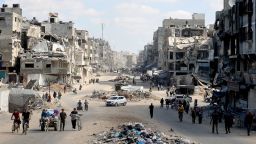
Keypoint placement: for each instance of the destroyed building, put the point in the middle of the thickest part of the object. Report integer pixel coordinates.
(104, 54)
(180, 47)
(204, 54)
(46, 61)
(83, 55)
(10, 37)
(233, 67)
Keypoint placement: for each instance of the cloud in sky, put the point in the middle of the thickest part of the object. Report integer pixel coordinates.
(215, 4)
(129, 24)
(179, 14)
(67, 9)
(136, 9)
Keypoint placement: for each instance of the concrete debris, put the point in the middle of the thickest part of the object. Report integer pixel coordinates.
(131, 133)
(131, 95)
(98, 94)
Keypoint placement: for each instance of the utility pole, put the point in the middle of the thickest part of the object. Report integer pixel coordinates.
(102, 30)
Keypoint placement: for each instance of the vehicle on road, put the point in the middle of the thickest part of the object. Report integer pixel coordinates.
(25, 130)
(116, 101)
(15, 127)
(51, 120)
(79, 106)
(78, 121)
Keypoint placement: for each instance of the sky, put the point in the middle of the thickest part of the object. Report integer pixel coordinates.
(128, 24)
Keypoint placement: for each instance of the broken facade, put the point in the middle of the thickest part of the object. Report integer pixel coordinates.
(234, 53)
(10, 38)
(46, 62)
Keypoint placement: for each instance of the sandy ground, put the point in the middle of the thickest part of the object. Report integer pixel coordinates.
(101, 118)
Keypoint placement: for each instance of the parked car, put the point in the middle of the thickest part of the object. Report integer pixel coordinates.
(116, 101)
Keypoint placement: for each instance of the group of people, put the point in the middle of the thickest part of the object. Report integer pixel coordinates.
(197, 112)
(216, 117)
(174, 104)
(47, 97)
(62, 117)
(94, 80)
(26, 115)
(80, 107)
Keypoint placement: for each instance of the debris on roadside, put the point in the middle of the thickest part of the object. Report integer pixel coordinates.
(137, 133)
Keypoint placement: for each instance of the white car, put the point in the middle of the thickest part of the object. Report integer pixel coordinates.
(116, 101)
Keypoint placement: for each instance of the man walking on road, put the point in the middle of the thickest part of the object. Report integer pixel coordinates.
(193, 114)
(73, 115)
(151, 110)
(228, 121)
(248, 122)
(180, 112)
(162, 103)
(215, 121)
(63, 117)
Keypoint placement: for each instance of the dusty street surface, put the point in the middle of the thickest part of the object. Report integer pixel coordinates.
(101, 118)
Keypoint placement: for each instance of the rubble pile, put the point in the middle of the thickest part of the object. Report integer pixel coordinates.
(99, 94)
(134, 95)
(136, 133)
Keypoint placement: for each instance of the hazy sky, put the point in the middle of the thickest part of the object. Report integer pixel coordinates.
(128, 24)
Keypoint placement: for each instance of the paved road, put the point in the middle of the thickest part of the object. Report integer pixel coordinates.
(100, 118)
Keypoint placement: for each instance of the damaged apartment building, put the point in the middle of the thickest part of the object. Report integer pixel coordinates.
(61, 54)
(48, 51)
(44, 57)
(10, 41)
(103, 53)
(234, 66)
(180, 48)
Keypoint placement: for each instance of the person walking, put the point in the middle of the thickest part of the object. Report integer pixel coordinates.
(180, 112)
(151, 110)
(73, 116)
(54, 95)
(63, 117)
(214, 121)
(46, 96)
(193, 115)
(167, 93)
(228, 119)
(49, 99)
(184, 103)
(162, 103)
(59, 95)
(248, 122)
(65, 88)
(200, 115)
(167, 102)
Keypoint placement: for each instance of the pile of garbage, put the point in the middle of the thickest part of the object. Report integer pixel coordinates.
(137, 133)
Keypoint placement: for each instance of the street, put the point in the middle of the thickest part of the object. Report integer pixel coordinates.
(101, 118)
